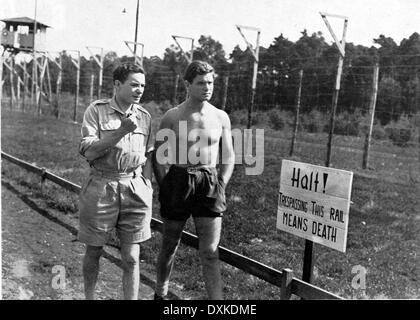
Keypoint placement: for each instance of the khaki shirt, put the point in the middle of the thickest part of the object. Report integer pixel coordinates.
(102, 118)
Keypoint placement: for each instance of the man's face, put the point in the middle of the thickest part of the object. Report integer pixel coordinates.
(132, 89)
(202, 87)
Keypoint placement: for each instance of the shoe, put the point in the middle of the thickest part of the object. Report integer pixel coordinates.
(157, 297)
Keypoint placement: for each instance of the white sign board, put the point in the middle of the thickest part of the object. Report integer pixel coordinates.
(314, 203)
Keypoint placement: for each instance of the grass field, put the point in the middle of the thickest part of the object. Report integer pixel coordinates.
(383, 231)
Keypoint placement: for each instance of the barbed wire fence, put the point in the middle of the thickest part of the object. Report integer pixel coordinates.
(396, 116)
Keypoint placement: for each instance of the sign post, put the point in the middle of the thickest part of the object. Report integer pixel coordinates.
(314, 204)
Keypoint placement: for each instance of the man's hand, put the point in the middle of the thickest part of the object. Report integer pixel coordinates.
(128, 124)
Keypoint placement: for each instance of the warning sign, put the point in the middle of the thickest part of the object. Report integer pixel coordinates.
(314, 203)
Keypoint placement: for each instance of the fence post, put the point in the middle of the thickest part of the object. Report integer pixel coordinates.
(255, 54)
(41, 84)
(58, 84)
(25, 86)
(92, 80)
(101, 71)
(297, 113)
(254, 83)
(50, 97)
(100, 63)
(1, 79)
(341, 45)
(175, 99)
(76, 100)
(286, 284)
(225, 91)
(12, 88)
(18, 83)
(372, 115)
(34, 84)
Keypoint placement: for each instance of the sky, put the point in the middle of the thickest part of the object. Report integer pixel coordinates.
(102, 23)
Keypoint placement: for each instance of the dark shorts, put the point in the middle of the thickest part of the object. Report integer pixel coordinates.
(195, 191)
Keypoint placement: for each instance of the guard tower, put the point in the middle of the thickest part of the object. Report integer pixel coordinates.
(18, 35)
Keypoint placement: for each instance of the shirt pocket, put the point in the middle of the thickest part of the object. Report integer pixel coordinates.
(108, 128)
(139, 138)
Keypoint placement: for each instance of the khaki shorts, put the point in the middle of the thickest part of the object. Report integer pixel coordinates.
(123, 203)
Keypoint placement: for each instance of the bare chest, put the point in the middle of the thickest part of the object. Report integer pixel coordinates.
(198, 127)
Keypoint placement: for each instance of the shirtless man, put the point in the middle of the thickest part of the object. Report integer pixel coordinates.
(189, 183)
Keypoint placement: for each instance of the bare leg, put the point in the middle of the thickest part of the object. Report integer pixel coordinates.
(130, 253)
(172, 230)
(208, 232)
(91, 270)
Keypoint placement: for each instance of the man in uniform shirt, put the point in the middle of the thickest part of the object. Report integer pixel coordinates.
(116, 141)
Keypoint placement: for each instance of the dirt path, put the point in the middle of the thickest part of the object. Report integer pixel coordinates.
(35, 239)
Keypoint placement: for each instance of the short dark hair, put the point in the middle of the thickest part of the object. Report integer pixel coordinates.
(122, 72)
(195, 68)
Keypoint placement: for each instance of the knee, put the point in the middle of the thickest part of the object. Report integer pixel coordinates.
(93, 253)
(129, 260)
(169, 246)
(209, 255)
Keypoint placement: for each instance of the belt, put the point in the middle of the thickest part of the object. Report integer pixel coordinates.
(116, 174)
(194, 168)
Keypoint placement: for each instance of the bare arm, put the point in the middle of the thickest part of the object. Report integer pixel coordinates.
(228, 154)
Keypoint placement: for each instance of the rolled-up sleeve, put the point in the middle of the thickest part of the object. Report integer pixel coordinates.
(89, 131)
